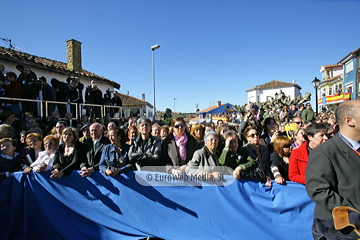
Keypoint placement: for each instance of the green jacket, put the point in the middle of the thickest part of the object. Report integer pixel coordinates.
(307, 114)
(241, 158)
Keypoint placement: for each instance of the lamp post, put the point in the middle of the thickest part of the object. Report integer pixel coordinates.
(153, 48)
(316, 83)
(174, 106)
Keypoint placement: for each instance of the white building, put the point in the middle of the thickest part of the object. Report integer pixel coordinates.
(264, 92)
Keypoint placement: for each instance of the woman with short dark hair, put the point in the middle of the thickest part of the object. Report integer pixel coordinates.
(316, 134)
(8, 161)
(235, 157)
(261, 155)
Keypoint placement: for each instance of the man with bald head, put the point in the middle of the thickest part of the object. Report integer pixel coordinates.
(332, 174)
(93, 150)
(298, 121)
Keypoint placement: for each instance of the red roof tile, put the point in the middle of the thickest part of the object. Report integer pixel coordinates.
(272, 85)
(331, 66)
(51, 65)
(127, 99)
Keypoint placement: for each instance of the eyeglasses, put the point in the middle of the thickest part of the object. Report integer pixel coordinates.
(298, 122)
(253, 135)
(179, 125)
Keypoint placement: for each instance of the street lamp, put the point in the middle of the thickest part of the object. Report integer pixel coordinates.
(153, 48)
(316, 83)
(174, 106)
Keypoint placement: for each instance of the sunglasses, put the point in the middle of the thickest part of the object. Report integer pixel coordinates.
(330, 134)
(253, 135)
(298, 122)
(287, 146)
(179, 125)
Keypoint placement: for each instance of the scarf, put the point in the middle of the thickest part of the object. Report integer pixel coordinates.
(181, 143)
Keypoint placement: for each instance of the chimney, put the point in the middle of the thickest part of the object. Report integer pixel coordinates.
(293, 80)
(73, 52)
(143, 96)
(218, 103)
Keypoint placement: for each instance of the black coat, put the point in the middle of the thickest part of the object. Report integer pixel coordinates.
(93, 158)
(67, 164)
(96, 97)
(332, 177)
(170, 155)
(48, 93)
(276, 160)
(10, 166)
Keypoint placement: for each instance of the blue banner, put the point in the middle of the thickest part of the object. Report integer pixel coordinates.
(100, 207)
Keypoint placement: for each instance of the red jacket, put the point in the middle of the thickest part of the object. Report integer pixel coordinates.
(298, 162)
(13, 90)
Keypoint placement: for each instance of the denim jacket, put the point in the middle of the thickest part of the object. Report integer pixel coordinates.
(110, 157)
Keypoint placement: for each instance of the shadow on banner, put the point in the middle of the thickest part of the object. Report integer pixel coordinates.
(100, 207)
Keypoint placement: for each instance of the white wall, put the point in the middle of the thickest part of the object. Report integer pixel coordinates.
(149, 112)
(263, 94)
(337, 71)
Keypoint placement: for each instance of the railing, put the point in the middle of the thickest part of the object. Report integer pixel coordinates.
(79, 107)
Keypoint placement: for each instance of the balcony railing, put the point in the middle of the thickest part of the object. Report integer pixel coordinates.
(79, 107)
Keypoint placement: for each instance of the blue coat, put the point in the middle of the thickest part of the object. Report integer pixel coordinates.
(110, 158)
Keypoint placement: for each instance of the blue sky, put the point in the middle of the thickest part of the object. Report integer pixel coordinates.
(211, 50)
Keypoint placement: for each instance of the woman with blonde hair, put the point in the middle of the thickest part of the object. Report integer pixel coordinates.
(279, 159)
(197, 131)
(68, 155)
(299, 137)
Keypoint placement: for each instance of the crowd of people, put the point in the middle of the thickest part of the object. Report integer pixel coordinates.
(258, 148)
(27, 85)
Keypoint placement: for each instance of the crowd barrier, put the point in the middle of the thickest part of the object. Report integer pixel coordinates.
(80, 108)
(100, 207)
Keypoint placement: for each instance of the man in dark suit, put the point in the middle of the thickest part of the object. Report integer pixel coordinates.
(93, 150)
(332, 174)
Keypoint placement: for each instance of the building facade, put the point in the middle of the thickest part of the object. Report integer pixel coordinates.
(217, 109)
(268, 91)
(351, 68)
(340, 82)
